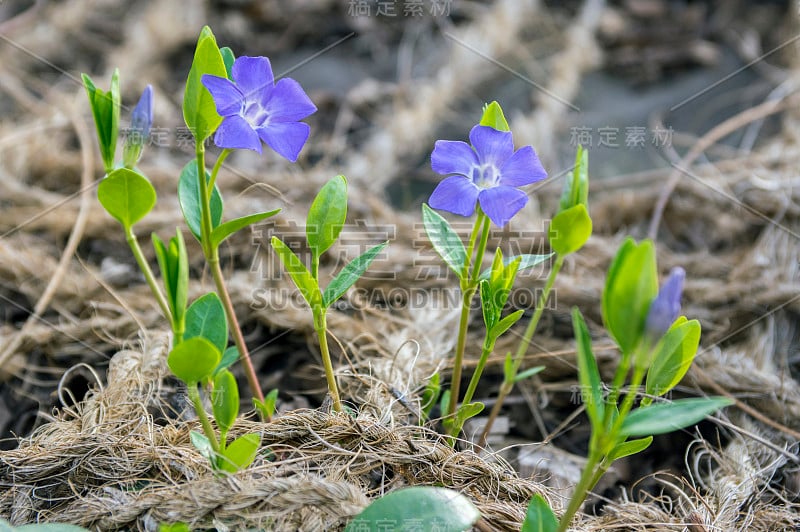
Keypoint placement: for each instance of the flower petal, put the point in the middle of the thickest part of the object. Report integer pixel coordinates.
(493, 146)
(286, 138)
(501, 203)
(227, 97)
(453, 157)
(253, 76)
(287, 102)
(523, 168)
(235, 132)
(455, 194)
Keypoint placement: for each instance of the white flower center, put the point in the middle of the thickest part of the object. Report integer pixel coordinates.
(485, 176)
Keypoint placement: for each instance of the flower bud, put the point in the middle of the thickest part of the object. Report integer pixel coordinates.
(141, 122)
(666, 307)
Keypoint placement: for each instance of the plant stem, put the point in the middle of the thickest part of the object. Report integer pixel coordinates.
(468, 291)
(149, 277)
(589, 478)
(217, 166)
(522, 348)
(488, 347)
(194, 396)
(211, 253)
(321, 329)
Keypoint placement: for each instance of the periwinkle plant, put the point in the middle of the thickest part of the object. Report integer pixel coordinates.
(238, 102)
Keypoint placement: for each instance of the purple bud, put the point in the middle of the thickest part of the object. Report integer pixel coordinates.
(142, 117)
(666, 307)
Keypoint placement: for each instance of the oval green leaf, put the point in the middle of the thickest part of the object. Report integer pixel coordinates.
(193, 360)
(674, 354)
(189, 199)
(229, 357)
(629, 447)
(223, 231)
(539, 517)
(240, 453)
(199, 110)
(228, 58)
(445, 240)
(327, 215)
(408, 508)
(206, 318)
(225, 401)
(350, 274)
(127, 196)
(631, 285)
(570, 229)
(668, 417)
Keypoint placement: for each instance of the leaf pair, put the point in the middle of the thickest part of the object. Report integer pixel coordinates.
(174, 264)
(324, 223)
(199, 110)
(572, 226)
(237, 456)
(494, 296)
(105, 110)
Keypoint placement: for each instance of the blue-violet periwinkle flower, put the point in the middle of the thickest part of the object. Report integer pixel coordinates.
(254, 108)
(487, 172)
(666, 307)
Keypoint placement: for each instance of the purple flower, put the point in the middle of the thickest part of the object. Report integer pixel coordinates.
(487, 172)
(666, 307)
(254, 108)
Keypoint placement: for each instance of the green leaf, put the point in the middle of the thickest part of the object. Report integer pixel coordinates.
(674, 354)
(199, 110)
(105, 111)
(668, 417)
(570, 229)
(228, 58)
(174, 265)
(576, 190)
(505, 324)
(299, 273)
(629, 447)
(127, 196)
(206, 319)
(493, 117)
(488, 307)
(193, 360)
(350, 274)
(189, 199)
(225, 403)
(240, 453)
(539, 517)
(588, 374)
(631, 285)
(203, 446)
(445, 240)
(466, 411)
(180, 526)
(526, 262)
(528, 373)
(229, 357)
(223, 231)
(417, 508)
(327, 215)
(267, 407)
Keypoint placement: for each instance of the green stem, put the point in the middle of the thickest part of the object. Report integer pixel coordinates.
(194, 396)
(522, 348)
(321, 329)
(148, 275)
(211, 253)
(589, 478)
(627, 403)
(217, 166)
(488, 347)
(468, 289)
